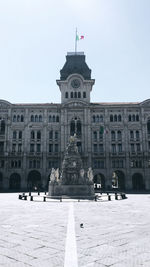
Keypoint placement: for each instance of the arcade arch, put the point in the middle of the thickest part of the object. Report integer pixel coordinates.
(15, 181)
(99, 181)
(138, 182)
(34, 180)
(118, 180)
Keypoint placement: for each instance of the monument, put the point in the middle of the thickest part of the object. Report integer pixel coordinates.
(72, 180)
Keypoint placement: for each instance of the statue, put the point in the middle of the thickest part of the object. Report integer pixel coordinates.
(52, 175)
(90, 174)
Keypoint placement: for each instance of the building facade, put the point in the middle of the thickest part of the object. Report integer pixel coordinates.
(112, 138)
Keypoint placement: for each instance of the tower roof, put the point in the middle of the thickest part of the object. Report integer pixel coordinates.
(75, 63)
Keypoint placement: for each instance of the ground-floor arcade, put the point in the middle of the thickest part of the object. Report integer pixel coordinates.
(38, 180)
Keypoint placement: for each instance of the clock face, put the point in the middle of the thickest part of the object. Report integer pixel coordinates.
(75, 83)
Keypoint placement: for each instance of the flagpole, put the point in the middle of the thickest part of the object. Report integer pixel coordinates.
(76, 42)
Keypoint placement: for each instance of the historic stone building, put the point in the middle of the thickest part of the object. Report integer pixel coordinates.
(113, 138)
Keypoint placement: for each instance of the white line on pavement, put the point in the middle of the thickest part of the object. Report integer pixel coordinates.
(71, 259)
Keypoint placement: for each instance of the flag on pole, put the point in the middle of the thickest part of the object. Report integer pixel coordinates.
(79, 37)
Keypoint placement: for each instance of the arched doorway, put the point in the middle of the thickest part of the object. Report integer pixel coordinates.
(34, 180)
(99, 181)
(15, 181)
(138, 182)
(1, 181)
(118, 180)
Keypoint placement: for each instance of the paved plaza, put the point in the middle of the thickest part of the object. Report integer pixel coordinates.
(115, 233)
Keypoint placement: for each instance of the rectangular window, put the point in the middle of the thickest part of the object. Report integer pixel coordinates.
(38, 148)
(95, 136)
(132, 148)
(50, 148)
(19, 148)
(56, 148)
(113, 148)
(38, 164)
(20, 134)
(149, 145)
(30, 164)
(131, 135)
(119, 148)
(95, 148)
(101, 148)
(1, 147)
(51, 135)
(2, 163)
(31, 147)
(13, 147)
(138, 148)
(56, 135)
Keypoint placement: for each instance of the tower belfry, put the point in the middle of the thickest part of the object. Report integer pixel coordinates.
(75, 78)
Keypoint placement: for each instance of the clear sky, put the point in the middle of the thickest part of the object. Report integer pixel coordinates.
(35, 36)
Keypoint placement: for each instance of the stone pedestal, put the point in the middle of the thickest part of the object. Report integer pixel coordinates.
(73, 191)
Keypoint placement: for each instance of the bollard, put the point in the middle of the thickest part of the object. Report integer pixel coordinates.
(38, 193)
(116, 196)
(29, 194)
(60, 199)
(109, 197)
(44, 199)
(31, 198)
(45, 192)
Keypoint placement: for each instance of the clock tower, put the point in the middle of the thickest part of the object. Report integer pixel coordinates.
(75, 79)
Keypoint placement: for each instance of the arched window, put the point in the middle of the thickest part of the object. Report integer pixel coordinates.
(57, 118)
(148, 126)
(78, 128)
(32, 135)
(111, 117)
(72, 127)
(50, 118)
(75, 95)
(40, 118)
(36, 118)
(71, 94)
(22, 118)
(66, 95)
(14, 118)
(129, 118)
(79, 94)
(32, 118)
(115, 118)
(119, 117)
(119, 135)
(18, 118)
(84, 94)
(133, 117)
(113, 135)
(101, 118)
(93, 118)
(137, 117)
(53, 118)
(97, 118)
(38, 135)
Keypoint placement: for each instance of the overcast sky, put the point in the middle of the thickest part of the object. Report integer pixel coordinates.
(35, 36)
